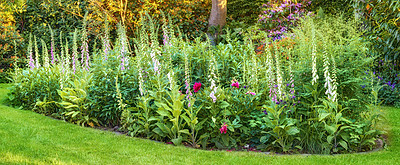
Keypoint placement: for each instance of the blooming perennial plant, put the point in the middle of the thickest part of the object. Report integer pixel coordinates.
(85, 46)
(314, 57)
(74, 51)
(45, 54)
(196, 86)
(37, 55)
(30, 53)
(224, 128)
(279, 17)
(212, 78)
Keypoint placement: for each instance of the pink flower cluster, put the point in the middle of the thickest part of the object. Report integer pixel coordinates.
(249, 92)
(223, 128)
(196, 87)
(235, 83)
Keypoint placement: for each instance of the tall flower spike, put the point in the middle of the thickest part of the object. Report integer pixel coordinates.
(254, 69)
(37, 55)
(328, 81)
(123, 45)
(31, 62)
(45, 54)
(139, 54)
(279, 79)
(62, 53)
(269, 71)
(212, 77)
(106, 40)
(170, 76)
(85, 47)
(67, 57)
(74, 51)
(291, 80)
(187, 76)
(334, 78)
(314, 57)
(52, 45)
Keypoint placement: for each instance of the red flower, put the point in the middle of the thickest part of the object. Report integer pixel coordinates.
(223, 129)
(196, 86)
(235, 84)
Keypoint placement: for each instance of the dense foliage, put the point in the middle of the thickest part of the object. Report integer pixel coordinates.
(383, 31)
(304, 92)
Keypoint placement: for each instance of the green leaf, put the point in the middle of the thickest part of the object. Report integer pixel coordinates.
(264, 139)
(163, 112)
(177, 141)
(292, 131)
(223, 105)
(330, 129)
(225, 139)
(163, 128)
(322, 116)
(159, 132)
(187, 120)
(343, 144)
(329, 139)
(185, 131)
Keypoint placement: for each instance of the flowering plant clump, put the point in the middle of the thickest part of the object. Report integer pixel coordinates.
(196, 86)
(278, 18)
(223, 128)
(277, 107)
(235, 83)
(252, 93)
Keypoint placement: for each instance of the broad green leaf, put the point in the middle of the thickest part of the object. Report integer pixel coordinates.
(329, 139)
(223, 105)
(322, 116)
(330, 129)
(177, 141)
(343, 144)
(185, 131)
(292, 131)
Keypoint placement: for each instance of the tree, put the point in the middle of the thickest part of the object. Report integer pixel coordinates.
(217, 19)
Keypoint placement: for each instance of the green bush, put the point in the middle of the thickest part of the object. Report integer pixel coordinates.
(382, 30)
(244, 10)
(102, 91)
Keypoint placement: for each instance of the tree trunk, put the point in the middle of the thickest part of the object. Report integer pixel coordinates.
(217, 19)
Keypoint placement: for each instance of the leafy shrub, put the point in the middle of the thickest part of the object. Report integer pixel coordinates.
(102, 91)
(344, 7)
(33, 86)
(244, 10)
(382, 30)
(10, 40)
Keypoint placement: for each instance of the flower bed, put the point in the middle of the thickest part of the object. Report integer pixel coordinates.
(303, 93)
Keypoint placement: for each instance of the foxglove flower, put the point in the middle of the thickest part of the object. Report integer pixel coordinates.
(212, 78)
(31, 62)
(37, 65)
(314, 59)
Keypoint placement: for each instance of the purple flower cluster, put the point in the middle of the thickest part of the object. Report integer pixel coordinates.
(390, 84)
(278, 18)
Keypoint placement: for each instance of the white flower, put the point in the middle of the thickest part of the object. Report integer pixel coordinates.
(314, 59)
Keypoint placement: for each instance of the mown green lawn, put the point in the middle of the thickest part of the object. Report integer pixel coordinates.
(30, 138)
